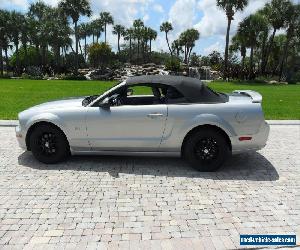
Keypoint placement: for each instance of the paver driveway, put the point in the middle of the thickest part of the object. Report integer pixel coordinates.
(130, 202)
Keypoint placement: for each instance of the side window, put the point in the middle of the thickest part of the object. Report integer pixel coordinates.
(172, 95)
(139, 90)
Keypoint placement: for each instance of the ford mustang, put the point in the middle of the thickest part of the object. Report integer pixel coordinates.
(179, 116)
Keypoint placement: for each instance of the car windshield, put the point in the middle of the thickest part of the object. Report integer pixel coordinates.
(89, 99)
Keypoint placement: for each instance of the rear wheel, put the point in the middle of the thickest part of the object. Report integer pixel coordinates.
(48, 144)
(206, 149)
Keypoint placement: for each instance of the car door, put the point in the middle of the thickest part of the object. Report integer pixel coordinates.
(126, 127)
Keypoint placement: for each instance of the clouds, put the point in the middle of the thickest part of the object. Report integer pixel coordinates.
(12, 4)
(214, 21)
(182, 14)
(217, 46)
(158, 8)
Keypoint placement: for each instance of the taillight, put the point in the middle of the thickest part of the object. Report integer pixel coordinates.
(245, 138)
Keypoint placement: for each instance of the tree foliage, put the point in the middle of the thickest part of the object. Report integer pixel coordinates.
(100, 55)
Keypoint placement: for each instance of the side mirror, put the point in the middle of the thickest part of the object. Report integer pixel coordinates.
(129, 92)
(105, 103)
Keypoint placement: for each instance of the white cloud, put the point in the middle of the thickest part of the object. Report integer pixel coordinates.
(214, 21)
(22, 4)
(146, 18)
(50, 2)
(158, 8)
(217, 46)
(182, 15)
(123, 11)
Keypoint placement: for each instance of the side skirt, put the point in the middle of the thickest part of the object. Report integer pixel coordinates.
(127, 153)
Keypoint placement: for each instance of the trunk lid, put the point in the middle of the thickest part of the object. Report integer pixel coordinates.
(254, 96)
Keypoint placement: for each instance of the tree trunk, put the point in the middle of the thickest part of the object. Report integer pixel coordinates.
(17, 58)
(263, 52)
(1, 62)
(119, 43)
(57, 55)
(264, 66)
(25, 54)
(150, 46)
(225, 73)
(138, 50)
(168, 43)
(251, 63)
(76, 47)
(85, 48)
(189, 54)
(185, 54)
(243, 66)
(130, 52)
(6, 60)
(80, 46)
(93, 38)
(284, 56)
(105, 33)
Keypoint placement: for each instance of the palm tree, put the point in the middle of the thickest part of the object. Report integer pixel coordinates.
(119, 30)
(16, 21)
(37, 26)
(188, 39)
(4, 39)
(74, 9)
(58, 32)
(106, 19)
(238, 43)
(166, 27)
(83, 30)
(249, 29)
(97, 29)
(129, 34)
(138, 26)
(276, 13)
(152, 36)
(230, 7)
(292, 22)
(176, 47)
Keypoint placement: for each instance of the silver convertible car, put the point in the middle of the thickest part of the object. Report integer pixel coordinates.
(179, 117)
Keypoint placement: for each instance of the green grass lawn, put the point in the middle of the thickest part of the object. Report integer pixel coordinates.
(279, 102)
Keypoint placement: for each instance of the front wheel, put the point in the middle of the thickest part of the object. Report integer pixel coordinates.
(48, 144)
(206, 150)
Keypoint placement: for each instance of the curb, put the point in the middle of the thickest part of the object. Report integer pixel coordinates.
(14, 123)
(9, 123)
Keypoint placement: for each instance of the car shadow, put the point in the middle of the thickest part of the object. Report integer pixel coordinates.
(247, 166)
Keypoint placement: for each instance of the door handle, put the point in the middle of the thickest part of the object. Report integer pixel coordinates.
(155, 115)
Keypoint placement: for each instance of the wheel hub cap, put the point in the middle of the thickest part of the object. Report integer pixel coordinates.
(206, 149)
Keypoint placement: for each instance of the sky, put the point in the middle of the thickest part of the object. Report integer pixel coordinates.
(202, 15)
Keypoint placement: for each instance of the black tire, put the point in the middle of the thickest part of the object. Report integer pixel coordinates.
(206, 149)
(49, 144)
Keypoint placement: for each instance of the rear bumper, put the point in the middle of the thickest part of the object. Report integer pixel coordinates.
(258, 141)
(20, 135)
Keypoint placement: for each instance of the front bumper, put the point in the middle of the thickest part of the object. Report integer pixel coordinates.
(20, 135)
(258, 141)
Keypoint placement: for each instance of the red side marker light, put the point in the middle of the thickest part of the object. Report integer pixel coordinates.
(245, 138)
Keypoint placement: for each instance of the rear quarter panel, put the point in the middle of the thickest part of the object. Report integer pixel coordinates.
(235, 119)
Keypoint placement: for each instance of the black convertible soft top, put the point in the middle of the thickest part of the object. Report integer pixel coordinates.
(192, 89)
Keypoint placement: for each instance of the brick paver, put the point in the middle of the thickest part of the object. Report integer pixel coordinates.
(148, 203)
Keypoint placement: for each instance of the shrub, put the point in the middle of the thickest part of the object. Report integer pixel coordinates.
(31, 57)
(78, 77)
(70, 63)
(173, 64)
(100, 55)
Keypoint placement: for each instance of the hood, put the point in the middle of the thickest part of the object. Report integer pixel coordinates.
(65, 103)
